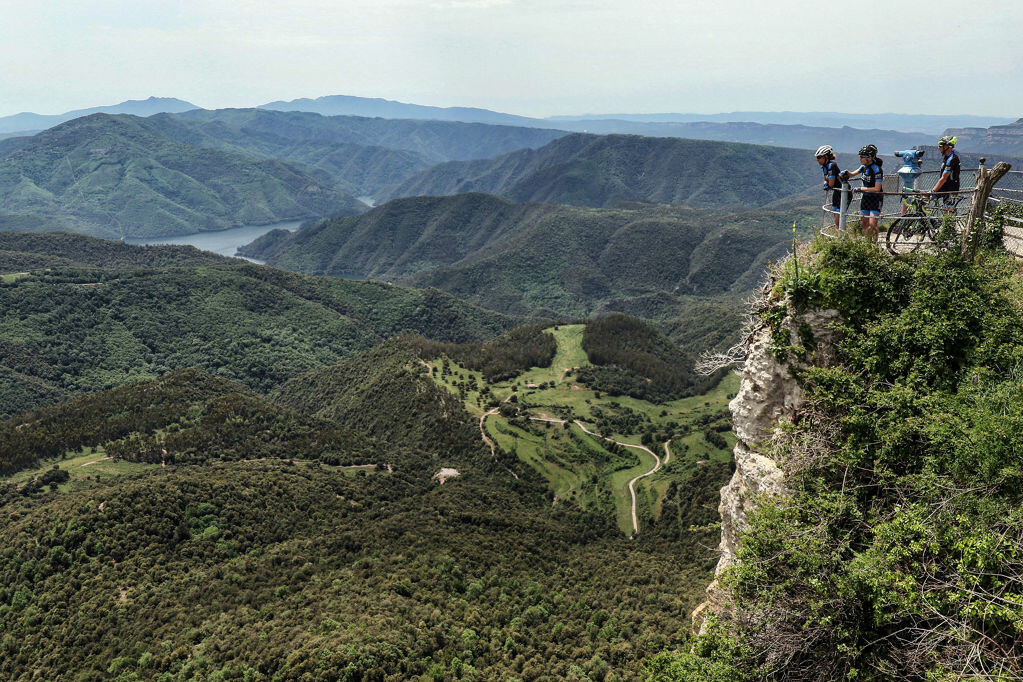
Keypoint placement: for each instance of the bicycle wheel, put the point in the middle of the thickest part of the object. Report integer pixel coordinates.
(904, 235)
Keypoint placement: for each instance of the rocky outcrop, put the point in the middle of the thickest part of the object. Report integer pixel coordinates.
(1003, 139)
(768, 396)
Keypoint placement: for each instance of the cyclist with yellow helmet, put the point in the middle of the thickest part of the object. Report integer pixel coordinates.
(948, 179)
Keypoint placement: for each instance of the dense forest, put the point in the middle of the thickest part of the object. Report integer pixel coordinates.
(632, 358)
(19, 250)
(500, 358)
(81, 329)
(257, 570)
(216, 566)
(185, 416)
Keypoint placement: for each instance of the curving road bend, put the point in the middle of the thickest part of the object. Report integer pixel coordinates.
(632, 483)
(486, 438)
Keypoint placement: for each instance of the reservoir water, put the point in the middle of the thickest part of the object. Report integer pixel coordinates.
(223, 242)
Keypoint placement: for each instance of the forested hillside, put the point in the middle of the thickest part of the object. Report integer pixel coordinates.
(218, 547)
(20, 251)
(70, 329)
(363, 156)
(118, 176)
(28, 223)
(591, 170)
(630, 357)
(656, 262)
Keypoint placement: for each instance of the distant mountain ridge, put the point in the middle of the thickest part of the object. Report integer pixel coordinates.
(845, 131)
(843, 139)
(913, 123)
(590, 170)
(541, 259)
(361, 155)
(27, 121)
(1000, 139)
(346, 105)
(118, 175)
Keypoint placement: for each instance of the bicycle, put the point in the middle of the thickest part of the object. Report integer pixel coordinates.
(919, 223)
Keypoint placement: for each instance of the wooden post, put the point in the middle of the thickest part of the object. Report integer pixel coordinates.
(986, 180)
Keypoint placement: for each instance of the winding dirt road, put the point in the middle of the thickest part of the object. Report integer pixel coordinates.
(486, 438)
(483, 431)
(632, 483)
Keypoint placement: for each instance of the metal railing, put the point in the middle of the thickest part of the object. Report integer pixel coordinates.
(1006, 206)
(905, 212)
(898, 201)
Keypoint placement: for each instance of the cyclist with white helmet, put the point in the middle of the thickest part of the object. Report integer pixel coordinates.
(826, 158)
(873, 199)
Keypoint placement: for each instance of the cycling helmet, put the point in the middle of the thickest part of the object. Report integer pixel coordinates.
(868, 150)
(825, 150)
(947, 141)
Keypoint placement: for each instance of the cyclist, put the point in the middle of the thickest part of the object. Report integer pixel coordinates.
(873, 199)
(826, 158)
(948, 179)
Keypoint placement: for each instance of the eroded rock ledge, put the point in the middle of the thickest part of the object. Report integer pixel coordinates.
(768, 396)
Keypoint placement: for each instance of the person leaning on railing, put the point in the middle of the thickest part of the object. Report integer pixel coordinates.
(826, 158)
(873, 199)
(948, 178)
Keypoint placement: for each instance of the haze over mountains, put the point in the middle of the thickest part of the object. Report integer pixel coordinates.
(25, 122)
(845, 131)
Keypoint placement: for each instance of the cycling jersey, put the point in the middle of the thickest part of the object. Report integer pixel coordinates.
(950, 165)
(872, 175)
(831, 170)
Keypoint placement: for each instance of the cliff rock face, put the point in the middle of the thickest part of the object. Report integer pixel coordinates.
(1004, 139)
(768, 396)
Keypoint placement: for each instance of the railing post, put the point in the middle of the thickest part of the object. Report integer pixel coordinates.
(843, 217)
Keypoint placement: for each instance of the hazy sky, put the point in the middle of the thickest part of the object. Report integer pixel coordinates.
(532, 57)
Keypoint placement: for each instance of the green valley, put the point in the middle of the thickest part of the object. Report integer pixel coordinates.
(221, 543)
(548, 420)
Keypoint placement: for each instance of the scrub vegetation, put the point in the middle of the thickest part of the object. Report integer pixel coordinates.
(899, 554)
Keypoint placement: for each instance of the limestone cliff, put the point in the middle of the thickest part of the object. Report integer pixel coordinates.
(768, 396)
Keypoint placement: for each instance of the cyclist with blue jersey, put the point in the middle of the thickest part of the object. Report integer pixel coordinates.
(948, 178)
(832, 174)
(873, 199)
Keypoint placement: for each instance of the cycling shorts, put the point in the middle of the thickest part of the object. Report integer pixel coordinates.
(871, 204)
(836, 200)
